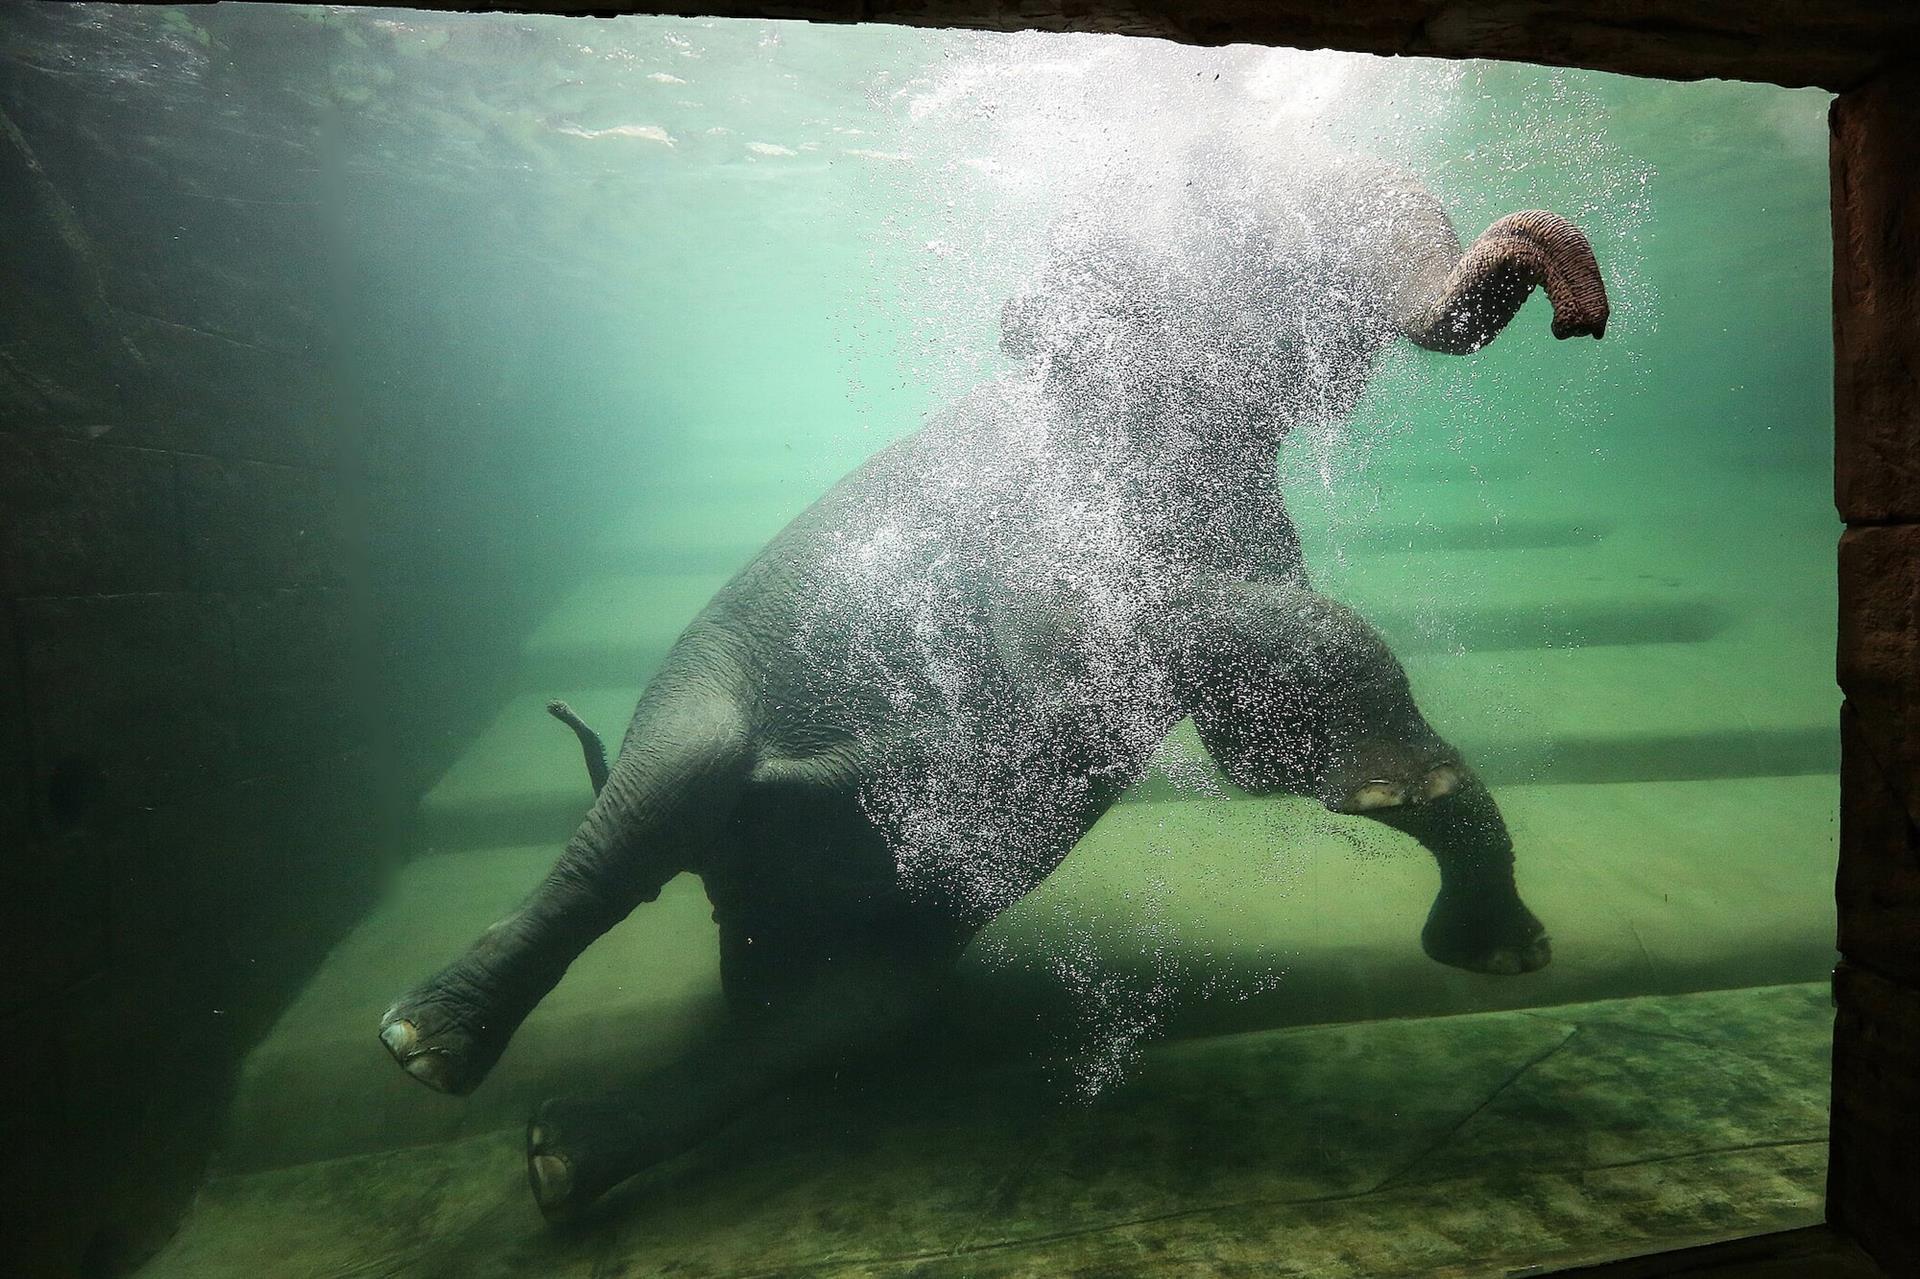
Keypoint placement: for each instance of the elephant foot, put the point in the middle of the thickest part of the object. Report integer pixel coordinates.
(551, 1167)
(1504, 939)
(578, 1150)
(444, 1043)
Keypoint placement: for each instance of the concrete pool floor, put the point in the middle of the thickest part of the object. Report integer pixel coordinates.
(1470, 1145)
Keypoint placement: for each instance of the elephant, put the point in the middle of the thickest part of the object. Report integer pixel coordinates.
(904, 712)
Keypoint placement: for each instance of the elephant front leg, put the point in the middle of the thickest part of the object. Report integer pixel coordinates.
(1396, 771)
(1478, 921)
(1299, 694)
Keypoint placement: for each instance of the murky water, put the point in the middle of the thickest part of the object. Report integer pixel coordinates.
(1052, 796)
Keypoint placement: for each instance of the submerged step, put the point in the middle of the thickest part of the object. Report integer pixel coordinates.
(691, 530)
(1493, 533)
(1613, 532)
(1620, 658)
(628, 1003)
(1747, 704)
(522, 779)
(1591, 622)
(1754, 701)
(615, 629)
(1191, 917)
(1740, 705)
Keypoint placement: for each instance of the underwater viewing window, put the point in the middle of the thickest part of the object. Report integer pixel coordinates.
(1233, 648)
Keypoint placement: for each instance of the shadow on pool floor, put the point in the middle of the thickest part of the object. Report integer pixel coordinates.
(1469, 1145)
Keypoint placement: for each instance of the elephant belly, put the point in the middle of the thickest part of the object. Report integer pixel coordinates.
(944, 843)
(803, 858)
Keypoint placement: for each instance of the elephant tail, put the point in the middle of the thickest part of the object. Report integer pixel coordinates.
(590, 744)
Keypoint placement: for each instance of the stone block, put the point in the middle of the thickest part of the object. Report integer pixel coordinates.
(1879, 640)
(24, 924)
(217, 891)
(1876, 299)
(29, 1069)
(1875, 1162)
(79, 517)
(280, 728)
(292, 866)
(254, 524)
(63, 366)
(55, 379)
(36, 1177)
(53, 915)
(291, 635)
(240, 892)
(296, 697)
(129, 701)
(215, 262)
(76, 877)
(103, 1094)
(14, 805)
(165, 887)
(127, 1099)
(219, 394)
(1878, 889)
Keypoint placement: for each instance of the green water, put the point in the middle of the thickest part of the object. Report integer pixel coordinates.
(652, 286)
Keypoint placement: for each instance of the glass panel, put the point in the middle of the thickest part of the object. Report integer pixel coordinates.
(1014, 865)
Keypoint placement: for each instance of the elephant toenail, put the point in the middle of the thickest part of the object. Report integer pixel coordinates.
(1440, 782)
(430, 1069)
(1505, 964)
(552, 1179)
(399, 1037)
(1375, 794)
(536, 1137)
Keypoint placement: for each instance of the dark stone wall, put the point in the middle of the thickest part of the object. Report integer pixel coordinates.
(241, 513)
(1875, 1171)
(194, 799)
(1835, 44)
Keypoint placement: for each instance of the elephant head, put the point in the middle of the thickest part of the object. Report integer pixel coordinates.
(1259, 288)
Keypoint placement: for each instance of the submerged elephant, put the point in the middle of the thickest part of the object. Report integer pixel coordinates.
(903, 714)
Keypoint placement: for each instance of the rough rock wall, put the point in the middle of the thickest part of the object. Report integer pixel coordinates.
(1875, 1171)
(234, 622)
(1835, 44)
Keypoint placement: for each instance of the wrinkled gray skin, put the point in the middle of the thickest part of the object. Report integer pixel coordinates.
(905, 712)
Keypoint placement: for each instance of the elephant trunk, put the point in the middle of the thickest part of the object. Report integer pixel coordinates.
(1491, 280)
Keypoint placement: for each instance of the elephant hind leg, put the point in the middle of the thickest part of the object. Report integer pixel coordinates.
(684, 764)
(798, 1007)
